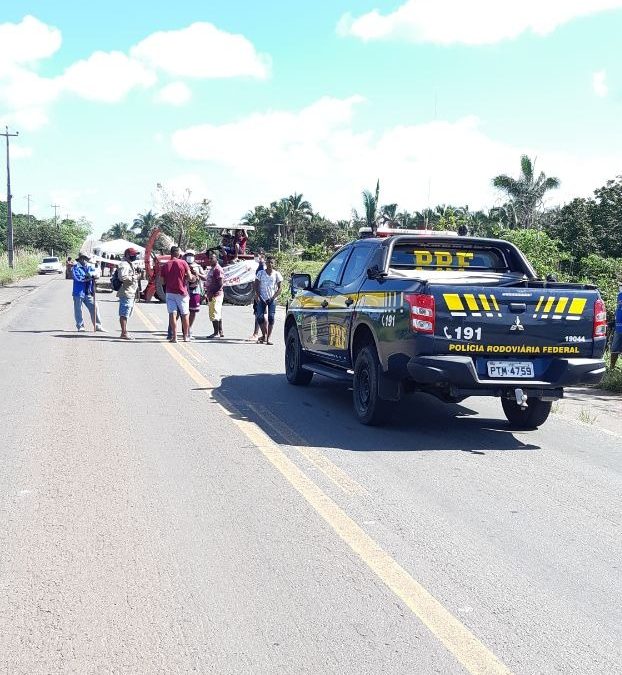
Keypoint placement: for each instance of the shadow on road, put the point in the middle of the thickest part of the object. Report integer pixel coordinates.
(320, 415)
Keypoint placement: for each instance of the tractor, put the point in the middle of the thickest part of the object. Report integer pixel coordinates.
(239, 274)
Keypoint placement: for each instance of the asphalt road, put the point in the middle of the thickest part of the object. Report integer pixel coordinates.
(173, 509)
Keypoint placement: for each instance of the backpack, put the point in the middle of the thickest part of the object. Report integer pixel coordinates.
(115, 282)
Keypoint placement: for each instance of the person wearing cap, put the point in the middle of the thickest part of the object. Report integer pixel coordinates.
(84, 275)
(128, 276)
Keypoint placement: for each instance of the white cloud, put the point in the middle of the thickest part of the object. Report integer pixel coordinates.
(202, 51)
(27, 42)
(19, 151)
(316, 150)
(199, 51)
(29, 119)
(175, 93)
(469, 22)
(106, 76)
(599, 83)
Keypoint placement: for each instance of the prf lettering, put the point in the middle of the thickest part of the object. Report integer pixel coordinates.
(442, 258)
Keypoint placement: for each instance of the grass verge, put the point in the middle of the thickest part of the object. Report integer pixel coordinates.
(26, 263)
(288, 265)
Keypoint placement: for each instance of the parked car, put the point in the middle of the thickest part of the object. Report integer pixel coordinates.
(51, 264)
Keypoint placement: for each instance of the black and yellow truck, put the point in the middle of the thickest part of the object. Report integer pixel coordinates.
(447, 315)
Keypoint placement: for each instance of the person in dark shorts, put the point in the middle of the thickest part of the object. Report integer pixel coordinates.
(267, 288)
(195, 290)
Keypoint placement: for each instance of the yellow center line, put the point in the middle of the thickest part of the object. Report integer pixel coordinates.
(336, 475)
(457, 638)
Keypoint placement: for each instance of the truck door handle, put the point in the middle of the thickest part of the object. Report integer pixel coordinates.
(324, 304)
(349, 301)
(518, 307)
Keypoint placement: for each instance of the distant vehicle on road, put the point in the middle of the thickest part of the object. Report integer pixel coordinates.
(50, 265)
(446, 315)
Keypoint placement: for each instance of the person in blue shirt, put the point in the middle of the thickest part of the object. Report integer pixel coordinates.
(84, 275)
(616, 340)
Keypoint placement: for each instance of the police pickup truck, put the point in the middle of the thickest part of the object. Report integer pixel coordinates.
(447, 315)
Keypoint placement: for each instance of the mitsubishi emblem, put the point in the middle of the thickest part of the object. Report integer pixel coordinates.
(517, 325)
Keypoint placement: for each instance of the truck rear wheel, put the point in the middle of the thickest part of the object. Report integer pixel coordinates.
(242, 294)
(293, 359)
(369, 408)
(531, 417)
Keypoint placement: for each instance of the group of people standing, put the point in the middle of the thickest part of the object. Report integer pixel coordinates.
(186, 284)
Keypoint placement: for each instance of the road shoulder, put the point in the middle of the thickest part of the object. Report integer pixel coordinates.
(593, 407)
(12, 293)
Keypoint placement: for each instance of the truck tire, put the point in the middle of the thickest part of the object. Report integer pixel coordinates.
(533, 416)
(293, 360)
(369, 408)
(242, 294)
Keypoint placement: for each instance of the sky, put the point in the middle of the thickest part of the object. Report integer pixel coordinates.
(243, 102)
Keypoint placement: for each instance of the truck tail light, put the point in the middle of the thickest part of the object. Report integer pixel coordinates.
(600, 319)
(422, 313)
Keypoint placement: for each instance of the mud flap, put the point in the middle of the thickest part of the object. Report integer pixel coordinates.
(388, 388)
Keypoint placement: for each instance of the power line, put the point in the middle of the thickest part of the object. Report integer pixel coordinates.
(9, 229)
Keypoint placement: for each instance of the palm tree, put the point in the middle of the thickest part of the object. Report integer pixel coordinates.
(527, 192)
(279, 213)
(118, 231)
(143, 225)
(299, 211)
(370, 206)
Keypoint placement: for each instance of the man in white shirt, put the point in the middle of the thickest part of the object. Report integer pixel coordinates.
(267, 288)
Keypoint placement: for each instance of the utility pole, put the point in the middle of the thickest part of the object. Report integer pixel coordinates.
(55, 207)
(9, 229)
(28, 198)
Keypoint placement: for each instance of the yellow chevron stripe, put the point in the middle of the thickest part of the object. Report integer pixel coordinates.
(471, 302)
(549, 304)
(495, 304)
(540, 301)
(453, 302)
(561, 305)
(577, 306)
(484, 300)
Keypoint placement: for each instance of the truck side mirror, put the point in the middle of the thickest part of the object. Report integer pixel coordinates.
(299, 282)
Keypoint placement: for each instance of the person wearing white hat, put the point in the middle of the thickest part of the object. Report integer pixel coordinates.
(195, 290)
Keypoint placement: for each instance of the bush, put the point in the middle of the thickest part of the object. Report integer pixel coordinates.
(612, 380)
(542, 252)
(26, 263)
(317, 252)
(288, 264)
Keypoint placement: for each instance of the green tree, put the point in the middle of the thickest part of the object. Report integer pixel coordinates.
(573, 226)
(143, 225)
(298, 213)
(371, 210)
(526, 192)
(183, 217)
(542, 252)
(118, 231)
(607, 217)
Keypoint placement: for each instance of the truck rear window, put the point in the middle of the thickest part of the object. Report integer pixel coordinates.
(444, 257)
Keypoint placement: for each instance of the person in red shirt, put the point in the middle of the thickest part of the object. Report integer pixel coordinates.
(241, 239)
(176, 275)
